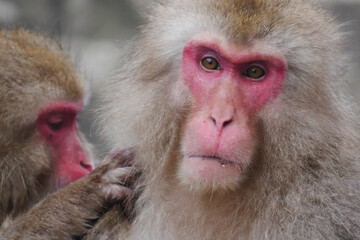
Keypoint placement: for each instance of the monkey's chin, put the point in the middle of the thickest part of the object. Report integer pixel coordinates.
(203, 173)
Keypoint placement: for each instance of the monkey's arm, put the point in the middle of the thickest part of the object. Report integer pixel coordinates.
(111, 224)
(71, 211)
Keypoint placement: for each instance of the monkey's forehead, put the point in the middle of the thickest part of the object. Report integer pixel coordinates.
(300, 29)
(240, 20)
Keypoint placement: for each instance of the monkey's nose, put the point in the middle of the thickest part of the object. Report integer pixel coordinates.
(86, 166)
(221, 123)
(222, 115)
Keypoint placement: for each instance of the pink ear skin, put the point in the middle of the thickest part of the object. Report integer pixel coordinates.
(58, 128)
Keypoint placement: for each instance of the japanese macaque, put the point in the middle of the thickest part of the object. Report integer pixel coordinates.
(243, 127)
(41, 147)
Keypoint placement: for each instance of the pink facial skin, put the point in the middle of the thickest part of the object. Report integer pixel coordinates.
(219, 136)
(58, 128)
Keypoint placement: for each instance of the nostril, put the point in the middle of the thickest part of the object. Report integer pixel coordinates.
(227, 123)
(86, 166)
(220, 123)
(213, 120)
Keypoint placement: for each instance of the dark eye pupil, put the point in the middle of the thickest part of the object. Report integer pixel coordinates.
(55, 126)
(255, 72)
(210, 63)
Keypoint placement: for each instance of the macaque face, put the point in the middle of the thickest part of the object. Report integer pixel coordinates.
(229, 84)
(59, 130)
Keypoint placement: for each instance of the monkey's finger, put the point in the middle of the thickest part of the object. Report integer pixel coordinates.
(117, 175)
(115, 192)
(129, 206)
(120, 157)
(123, 176)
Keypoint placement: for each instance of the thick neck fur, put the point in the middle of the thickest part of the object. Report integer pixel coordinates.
(283, 197)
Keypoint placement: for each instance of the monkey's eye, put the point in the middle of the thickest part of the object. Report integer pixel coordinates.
(210, 63)
(254, 72)
(55, 122)
(55, 126)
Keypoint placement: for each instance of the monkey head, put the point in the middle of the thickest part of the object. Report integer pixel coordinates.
(216, 96)
(41, 96)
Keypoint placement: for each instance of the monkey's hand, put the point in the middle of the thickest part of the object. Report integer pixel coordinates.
(118, 177)
(70, 212)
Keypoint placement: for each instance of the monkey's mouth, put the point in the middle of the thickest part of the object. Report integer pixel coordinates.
(222, 161)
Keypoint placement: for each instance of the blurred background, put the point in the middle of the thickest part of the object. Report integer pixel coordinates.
(94, 32)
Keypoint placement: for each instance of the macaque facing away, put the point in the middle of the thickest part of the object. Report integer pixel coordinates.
(41, 147)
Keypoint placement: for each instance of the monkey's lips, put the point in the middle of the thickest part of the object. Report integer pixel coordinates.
(223, 162)
(210, 169)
